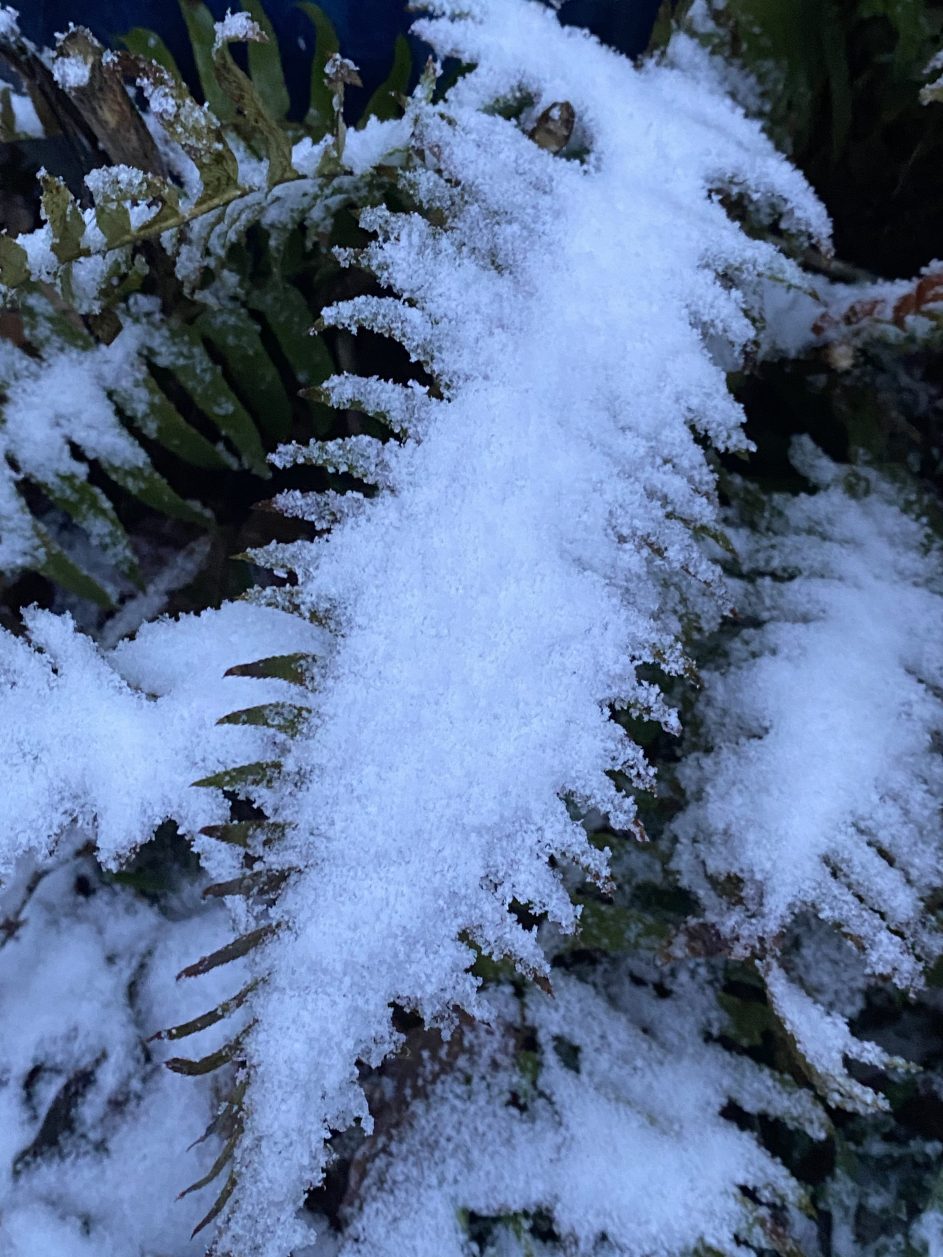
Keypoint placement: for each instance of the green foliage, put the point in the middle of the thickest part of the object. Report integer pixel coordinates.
(320, 116)
(842, 80)
(215, 380)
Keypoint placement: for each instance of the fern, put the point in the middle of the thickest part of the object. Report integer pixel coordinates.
(462, 234)
(481, 902)
(127, 294)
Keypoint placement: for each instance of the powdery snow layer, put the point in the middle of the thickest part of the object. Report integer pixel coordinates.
(93, 1129)
(62, 408)
(532, 547)
(820, 788)
(112, 741)
(618, 1138)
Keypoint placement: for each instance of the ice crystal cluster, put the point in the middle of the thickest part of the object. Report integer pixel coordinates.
(414, 766)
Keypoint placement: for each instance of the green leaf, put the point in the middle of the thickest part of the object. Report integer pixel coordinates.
(58, 567)
(218, 1205)
(240, 946)
(46, 325)
(282, 717)
(147, 883)
(222, 1160)
(196, 372)
(92, 511)
(236, 335)
(263, 883)
(295, 668)
(148, 44)
(287, 315)
(14, 263)
(246, 833)
(156, 417)
(662, 28)
(114, 222)
(149, 487)
(7, 116)
(252, 119)
(258, 773)
(384, 104)
(205, 1064)
(612, 928)
(63, 216)
(750, 1020)
(265, 64)
(320, 116)
(199, 135)
(202, 31)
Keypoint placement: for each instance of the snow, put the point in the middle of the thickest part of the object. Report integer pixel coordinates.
(117, 183)
(41, 259)
(820, 783)
(25, 118)
(532, 549)
(824, 1040)
(236, 26)
(626, 1147)
(87, 977)
(58, 400)
(112, 742)
(181, 569)
(9, 23)
(933, 91)
(529, 553)
(71, 72)
(375, 143)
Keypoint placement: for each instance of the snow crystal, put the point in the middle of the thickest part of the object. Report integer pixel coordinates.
(116, 183)
(71, 72)
(236, 26)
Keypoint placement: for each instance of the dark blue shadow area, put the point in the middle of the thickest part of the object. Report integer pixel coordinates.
(623, 24)
(366, 28)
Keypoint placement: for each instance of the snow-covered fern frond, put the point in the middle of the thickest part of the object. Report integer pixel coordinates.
(817, 787)
(613, 1137)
